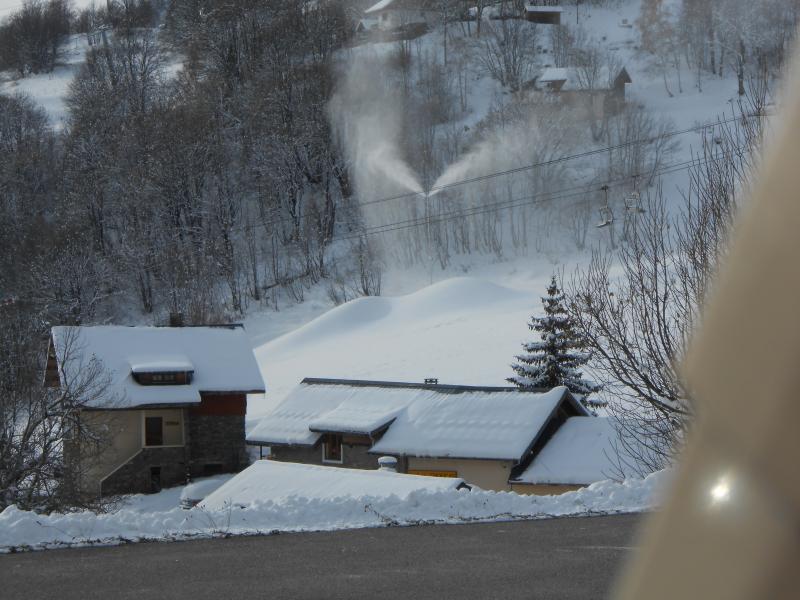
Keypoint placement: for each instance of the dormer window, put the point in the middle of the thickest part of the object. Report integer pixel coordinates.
(163, 372)
(164, 378)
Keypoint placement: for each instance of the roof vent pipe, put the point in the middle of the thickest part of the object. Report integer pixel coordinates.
(387, 463)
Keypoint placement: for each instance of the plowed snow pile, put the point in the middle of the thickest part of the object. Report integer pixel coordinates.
(27, 530)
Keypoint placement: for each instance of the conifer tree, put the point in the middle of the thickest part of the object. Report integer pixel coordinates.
(557, 358)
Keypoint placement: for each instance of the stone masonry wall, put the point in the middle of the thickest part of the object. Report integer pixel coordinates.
(134, 476)
(355, 456)
(217, 441)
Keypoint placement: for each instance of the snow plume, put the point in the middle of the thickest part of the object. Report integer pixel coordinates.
(500, 149)
(366, 115)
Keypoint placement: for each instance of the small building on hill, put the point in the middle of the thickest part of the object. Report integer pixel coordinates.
(484, 435)
(274, 481)
(543, 13)
(605, 88)
(395, 14)
(173, 404)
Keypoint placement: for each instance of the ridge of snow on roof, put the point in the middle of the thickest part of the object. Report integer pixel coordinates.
(163, 365)
(498, 425)
(274, 481)
(582, 451)
(221, 358)
(379, 6)
(554, 74)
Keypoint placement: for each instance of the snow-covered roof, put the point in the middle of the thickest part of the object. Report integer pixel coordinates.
(602, 81)
(582, 451)
(164, 365)
(271, 480)
(321, 406)
(423, 420)
(379, 6)
(543, 9)
(554, 74)
(498, 425)
(357, 414)
(220, 357)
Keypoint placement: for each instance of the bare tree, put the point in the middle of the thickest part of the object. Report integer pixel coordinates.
(509, 51)
(45, 444)
(637, 320)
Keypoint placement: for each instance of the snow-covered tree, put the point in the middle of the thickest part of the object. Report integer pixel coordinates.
(557, 358)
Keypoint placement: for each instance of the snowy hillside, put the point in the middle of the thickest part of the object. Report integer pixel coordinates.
(9, 6)
(462, 330)
(49, 90)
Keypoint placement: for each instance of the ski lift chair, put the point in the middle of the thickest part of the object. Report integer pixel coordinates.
(606, 217)
(633, 203)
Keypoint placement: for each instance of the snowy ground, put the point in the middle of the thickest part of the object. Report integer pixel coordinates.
(21, 530)
(49, 90)
(463, 330)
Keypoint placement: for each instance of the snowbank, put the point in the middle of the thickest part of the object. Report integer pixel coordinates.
(22, 530)
(275, 481)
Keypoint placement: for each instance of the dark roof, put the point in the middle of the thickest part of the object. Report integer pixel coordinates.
(623, 77)
(444, 388)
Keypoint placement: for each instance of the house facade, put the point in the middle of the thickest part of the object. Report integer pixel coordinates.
(173, 405)
(486, 436)
(388, 15)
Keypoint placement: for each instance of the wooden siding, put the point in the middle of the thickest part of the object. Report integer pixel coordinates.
(221, 405)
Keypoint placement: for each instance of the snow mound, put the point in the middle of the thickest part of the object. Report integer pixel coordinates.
(271, 480)
(23, 530)
(448, 330)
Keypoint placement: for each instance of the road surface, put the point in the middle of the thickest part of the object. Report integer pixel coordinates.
(557, 558)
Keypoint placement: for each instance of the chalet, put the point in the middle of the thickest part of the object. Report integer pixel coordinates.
(581, 452)
(275, 481)
(388, 15)
(484, 435)
(607, 88)
(543, 13)
(173, 403)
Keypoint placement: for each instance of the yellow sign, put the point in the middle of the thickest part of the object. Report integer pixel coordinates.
(433, 473)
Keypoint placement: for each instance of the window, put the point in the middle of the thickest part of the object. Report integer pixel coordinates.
(164, 378)
(153, 431)
(332, 449)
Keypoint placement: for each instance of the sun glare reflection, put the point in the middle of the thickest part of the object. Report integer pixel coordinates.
(721, 492)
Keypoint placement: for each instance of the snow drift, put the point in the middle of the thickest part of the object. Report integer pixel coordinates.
(23, 530)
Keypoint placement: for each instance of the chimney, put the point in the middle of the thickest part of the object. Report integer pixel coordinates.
(176, 319)
(387, 463)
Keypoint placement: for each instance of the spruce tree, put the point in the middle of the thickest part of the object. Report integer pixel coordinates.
(557, 358)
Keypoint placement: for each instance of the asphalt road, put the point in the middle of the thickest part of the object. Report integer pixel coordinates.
(558, 558)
